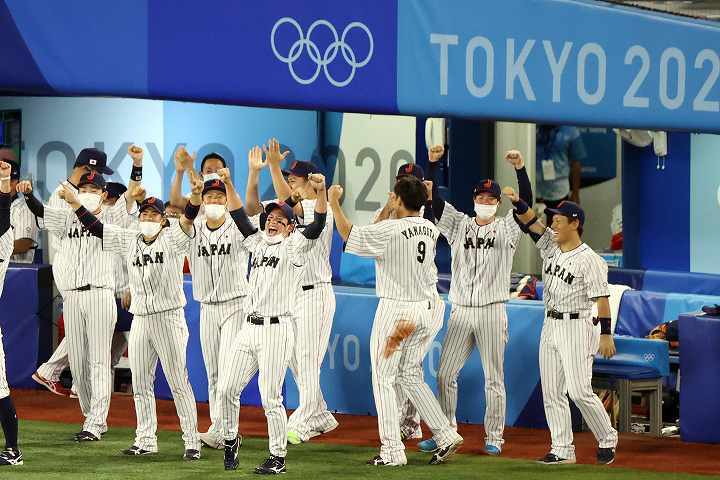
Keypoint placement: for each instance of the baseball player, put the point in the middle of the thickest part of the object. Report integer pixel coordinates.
(219, 266)
(154, 257)
(89, 160)
(11, 455)
(315, 298)
(482, 249)
(386, 211)
(266, 341)
(404, 252)
(575, 277)
(88, 289)
(23, 221)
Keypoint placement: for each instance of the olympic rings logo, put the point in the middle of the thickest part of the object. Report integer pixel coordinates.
(649, 357)
(304, 42)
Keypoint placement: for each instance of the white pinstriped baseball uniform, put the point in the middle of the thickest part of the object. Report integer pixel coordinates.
(58, 361)
(404, 252)
(313, 323)
(267, 348)
(87, 285)
(573, 280)
(7, 241)
(159, 328)
(482, 258)
(25, 226)
(219, 277)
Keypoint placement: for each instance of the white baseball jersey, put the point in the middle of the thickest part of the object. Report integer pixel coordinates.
(80, 259)
(482, 257)
(404, 252)
(317, 266)
(218, 263)
(572, 279)
(155, 269)
(274, 273)
(25, 225)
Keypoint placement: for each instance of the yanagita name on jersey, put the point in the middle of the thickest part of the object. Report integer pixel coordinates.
(562, 274)
(415, 230)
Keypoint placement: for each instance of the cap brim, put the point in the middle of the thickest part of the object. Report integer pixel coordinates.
(151, 207)
(106, 170)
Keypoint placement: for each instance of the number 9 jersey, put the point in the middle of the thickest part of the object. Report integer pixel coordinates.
(404, 252)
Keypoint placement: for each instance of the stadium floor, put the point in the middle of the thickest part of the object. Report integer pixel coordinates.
(36, 408)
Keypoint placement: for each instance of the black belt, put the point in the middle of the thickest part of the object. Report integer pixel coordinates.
(560, 316)
(307, 287)
(256, 320)
(84, 288)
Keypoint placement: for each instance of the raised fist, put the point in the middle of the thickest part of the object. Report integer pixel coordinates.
(24, 186)
(138, 194)
(317, 181)
(509, 192)
(136, 153)
(335, 192)
(224, 174)
(435, 153)
(515, 158)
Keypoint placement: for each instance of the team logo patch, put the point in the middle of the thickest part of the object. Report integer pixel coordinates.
(488, 184)
(216, 183)
(93, 161)
(151, 200)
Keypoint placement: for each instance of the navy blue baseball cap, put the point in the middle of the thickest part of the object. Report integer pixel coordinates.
(300, 168)
(215, 184)
(568, 209)
(95, 159)
(92, 178)
(153, 203)
(411, 169)
(115, 189)
(488, 186)
(284, 207)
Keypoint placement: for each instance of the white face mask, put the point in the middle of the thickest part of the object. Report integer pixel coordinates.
(485, 212)
(272, 240)
(211, 176)
(150, 229)
(91, 201)
(214, 212)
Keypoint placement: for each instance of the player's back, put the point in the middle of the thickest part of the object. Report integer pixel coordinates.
(404, 250)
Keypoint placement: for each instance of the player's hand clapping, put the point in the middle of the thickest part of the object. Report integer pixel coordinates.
(183, 160)
(515, 158)
(272, 152)
(255, 159)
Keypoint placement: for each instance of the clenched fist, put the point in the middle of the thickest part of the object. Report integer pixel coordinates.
(515, 158)
(335, 192)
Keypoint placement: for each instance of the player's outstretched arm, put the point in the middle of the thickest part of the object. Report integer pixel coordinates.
(341, 221)
(524, 213)
(88, 220)
(274, 158)
(255, 166)
(193, 206)
(438, 203)
(312, 231)
(183, 163)
(36, 207)
(515, 158)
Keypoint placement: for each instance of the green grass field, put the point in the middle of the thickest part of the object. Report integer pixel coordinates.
(49, 454)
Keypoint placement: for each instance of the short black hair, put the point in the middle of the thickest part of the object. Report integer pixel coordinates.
(411, 191)
(212, 156)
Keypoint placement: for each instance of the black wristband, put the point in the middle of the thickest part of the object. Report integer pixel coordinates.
(136, 173)
(604, 325)
(535, 219)
(521, 206)
(191, 211)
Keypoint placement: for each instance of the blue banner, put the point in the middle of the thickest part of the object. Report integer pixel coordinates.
(570, 62)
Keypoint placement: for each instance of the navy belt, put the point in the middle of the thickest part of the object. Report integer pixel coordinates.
(307, 287)
(257, 320)
(560, 316)
(84, 288)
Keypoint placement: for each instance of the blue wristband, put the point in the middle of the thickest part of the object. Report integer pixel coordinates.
(521, 206)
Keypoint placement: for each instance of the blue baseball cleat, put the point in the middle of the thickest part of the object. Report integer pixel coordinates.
(428, 446)
(492, 450)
